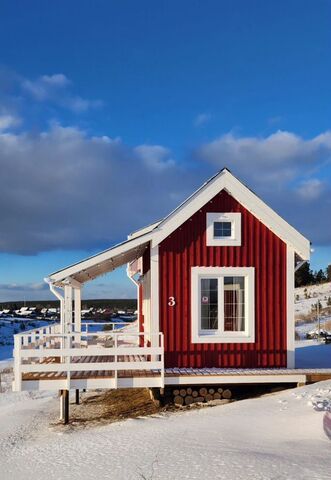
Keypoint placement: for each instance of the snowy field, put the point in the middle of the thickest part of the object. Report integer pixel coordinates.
(279, 436)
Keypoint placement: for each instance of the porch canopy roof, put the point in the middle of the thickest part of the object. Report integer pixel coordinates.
(103, 262)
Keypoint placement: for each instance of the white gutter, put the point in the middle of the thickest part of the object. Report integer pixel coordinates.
(59, 297)
(136, 282)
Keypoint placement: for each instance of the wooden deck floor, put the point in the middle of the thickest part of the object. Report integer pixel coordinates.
(97, 374)
(185, 374)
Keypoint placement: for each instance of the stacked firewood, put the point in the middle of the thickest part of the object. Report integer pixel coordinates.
(187, 396)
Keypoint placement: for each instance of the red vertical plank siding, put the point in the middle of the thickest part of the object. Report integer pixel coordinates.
(185, 248)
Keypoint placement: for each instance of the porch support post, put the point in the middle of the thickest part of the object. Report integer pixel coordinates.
(61, 405)
(77, 311)
(65, 406)
(77, 396)
(67, 308)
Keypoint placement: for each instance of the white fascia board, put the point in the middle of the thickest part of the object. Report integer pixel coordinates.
(143, 230)
(99, 258)
(225, 180)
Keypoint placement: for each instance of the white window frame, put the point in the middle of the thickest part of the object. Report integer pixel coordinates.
(221, 336)
(234, 218)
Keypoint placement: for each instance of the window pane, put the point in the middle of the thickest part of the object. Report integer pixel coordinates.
(222, 229)
(209, 304)
(234, 304)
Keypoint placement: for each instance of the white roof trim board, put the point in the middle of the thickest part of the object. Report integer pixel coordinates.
(138, 241)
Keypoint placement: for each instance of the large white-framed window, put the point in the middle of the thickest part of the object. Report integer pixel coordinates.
(222, 304)
(224, 229)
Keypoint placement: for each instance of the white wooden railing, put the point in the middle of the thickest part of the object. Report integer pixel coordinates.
(53, 357)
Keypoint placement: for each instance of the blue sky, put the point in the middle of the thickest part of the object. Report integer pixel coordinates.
(111, 113)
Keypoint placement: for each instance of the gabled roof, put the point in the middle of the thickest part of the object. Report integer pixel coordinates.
(139, 240)
(225, 180)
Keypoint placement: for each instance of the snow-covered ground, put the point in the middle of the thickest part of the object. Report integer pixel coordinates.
(315, 292)
(278, 436)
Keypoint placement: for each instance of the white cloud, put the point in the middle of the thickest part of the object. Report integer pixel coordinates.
(58, 80)
(276, 159)
(311, 189)
(27, 287)
(155, 156)
(8, 121)
(54, 89)
(28, 291)
(202, 119)
(46, 86)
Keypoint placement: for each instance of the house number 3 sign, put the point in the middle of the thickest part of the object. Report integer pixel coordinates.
(171, 301)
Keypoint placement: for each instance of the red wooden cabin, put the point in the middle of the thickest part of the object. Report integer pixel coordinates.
(215, 282)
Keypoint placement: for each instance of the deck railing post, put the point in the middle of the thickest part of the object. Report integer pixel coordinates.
(115, 361)
(17, 363)
(25, 340)
(68, 359)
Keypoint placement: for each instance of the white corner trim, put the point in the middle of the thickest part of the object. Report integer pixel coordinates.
(290, 322)
(248, 336)
(225, 180)
(234, 218)
(155, 325)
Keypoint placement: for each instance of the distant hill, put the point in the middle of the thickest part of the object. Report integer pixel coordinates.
(121, 304)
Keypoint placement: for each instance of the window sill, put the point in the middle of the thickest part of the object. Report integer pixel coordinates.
(213, 338)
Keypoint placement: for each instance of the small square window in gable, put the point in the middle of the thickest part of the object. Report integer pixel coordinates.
(224, 229)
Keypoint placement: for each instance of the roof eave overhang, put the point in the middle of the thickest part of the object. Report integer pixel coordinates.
(101, 263)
